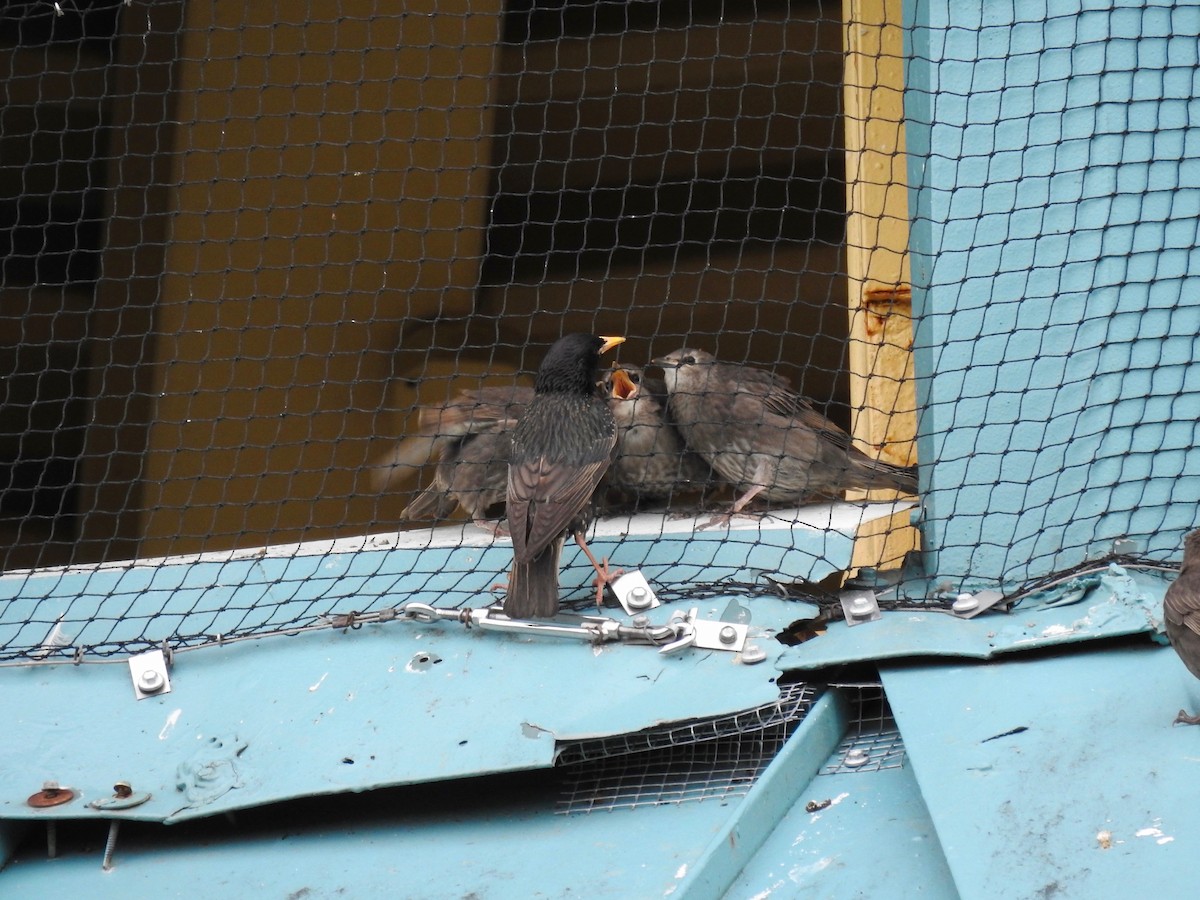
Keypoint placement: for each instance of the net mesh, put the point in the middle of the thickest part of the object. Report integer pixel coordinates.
(251, 251)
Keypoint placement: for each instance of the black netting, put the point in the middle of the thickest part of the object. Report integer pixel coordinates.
(253, 253)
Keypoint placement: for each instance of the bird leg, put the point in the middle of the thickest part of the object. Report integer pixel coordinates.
(1184, 719)
(495, 529)
(738, 505)
(603, 576)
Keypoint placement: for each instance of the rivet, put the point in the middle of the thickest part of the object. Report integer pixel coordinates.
(727, 635)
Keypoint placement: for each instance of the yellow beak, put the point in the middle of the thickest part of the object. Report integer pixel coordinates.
(610, 342)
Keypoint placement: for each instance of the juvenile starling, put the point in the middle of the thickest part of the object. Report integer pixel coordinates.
(439, 428)
(652, 462)
(471, 475)
(764, 438)
(561, 448)
(1181, 611)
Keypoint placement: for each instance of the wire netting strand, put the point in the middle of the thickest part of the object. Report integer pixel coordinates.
(257, 259)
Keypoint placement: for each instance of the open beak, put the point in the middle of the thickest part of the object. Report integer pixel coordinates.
(610, 342)
(622, 387)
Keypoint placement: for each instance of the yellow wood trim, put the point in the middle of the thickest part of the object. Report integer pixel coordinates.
(882, 392)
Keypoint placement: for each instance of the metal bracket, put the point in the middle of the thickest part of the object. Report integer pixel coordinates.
(634, 593)
(705, 634)
(968, 606)
(149, 673)
(859, 606)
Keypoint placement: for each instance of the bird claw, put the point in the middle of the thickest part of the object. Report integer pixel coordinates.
(495, 529)
(603, 579)
(1184, 719)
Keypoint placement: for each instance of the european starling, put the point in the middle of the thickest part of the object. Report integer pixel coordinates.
(652, 462)
(472, 475)
(1181, 611)
(764, 438)
(440, 427)
(561, 448)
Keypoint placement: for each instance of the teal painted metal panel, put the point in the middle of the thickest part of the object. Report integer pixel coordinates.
(1123, 605)
(492, 843)
(874, 840)
(1056, 267)
(122, 608)
(1057, 776)
(334, 711)
(741, 837)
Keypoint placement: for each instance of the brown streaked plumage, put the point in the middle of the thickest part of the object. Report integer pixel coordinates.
(1181, 612)
(652, 462)
(561, 448)
(764, 438)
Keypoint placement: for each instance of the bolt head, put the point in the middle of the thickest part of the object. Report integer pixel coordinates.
(639, 598)
(965, 603)
(860, 606)
(752, 654)
(150, 681)
(856, 757)
(727, 635)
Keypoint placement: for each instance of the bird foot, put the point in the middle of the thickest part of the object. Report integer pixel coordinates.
(725, 518)
(604, 577)
(495, 529)
(1184, 719)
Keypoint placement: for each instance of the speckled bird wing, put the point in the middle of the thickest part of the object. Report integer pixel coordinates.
(778, 397)
(1182, 602)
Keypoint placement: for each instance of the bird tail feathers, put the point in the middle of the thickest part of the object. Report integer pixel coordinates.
(533, 586)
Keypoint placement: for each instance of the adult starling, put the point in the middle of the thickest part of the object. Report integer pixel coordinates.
(561, 448)
(764, 438)
(652, 462)
(1181, 611)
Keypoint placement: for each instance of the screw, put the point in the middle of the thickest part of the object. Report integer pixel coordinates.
(727, 635)
(151, 681)
(856, 758)
(860, 606)
(641, 620)
(965, 603)
(639, 598)
(752, 653)
(51, 794)
(110, 845)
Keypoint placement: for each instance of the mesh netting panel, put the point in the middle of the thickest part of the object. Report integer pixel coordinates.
(257, 255)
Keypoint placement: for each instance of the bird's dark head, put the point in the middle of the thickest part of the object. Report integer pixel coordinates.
(572, 363)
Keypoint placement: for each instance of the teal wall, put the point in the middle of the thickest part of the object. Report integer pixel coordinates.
(1055, 193)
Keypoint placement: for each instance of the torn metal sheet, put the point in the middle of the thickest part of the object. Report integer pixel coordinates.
(350, 710)
(1125, 604)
